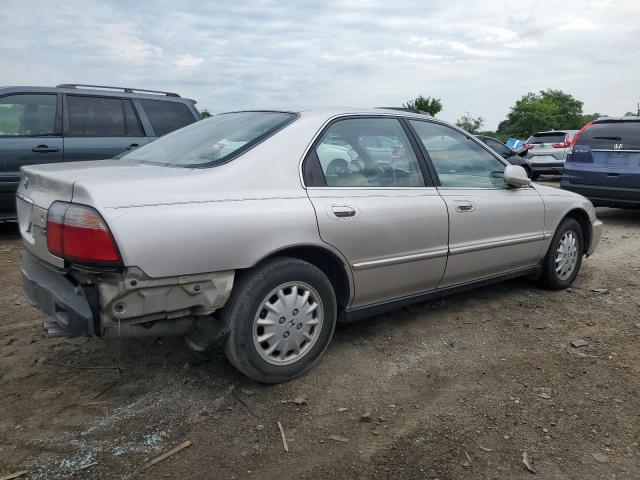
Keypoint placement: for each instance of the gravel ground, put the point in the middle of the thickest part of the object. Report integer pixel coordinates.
(457, 388)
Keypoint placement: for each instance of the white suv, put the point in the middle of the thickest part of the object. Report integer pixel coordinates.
(547, 151)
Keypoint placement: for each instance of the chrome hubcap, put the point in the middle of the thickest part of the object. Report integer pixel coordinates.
(288, 323)
(567, 255)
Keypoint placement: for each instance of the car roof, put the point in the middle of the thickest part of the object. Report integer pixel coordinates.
(98, 90)
(330, 112)
(627, 118)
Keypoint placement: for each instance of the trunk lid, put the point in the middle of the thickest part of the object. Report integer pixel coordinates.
(121, 183)
(44, 184)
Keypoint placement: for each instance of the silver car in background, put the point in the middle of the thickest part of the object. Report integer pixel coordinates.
(301, 219)
(547, 151)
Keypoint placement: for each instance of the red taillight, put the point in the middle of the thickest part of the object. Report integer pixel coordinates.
(78, 233)
(577, 135)
(565, 144)
(528, 145)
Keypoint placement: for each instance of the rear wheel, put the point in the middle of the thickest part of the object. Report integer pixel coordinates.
(281, 317)
(564, 258)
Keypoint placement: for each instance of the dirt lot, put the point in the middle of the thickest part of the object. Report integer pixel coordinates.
(455, 389)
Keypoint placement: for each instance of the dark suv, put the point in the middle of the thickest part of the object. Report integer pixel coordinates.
(511, 156)
(604, 164)
(79, 122)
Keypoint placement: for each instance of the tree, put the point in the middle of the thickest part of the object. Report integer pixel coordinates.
(432, 106)
(588, 117)
(470, 124)
(205, 113)
(548, 110)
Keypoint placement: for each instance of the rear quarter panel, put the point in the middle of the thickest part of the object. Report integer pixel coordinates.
(180, 239)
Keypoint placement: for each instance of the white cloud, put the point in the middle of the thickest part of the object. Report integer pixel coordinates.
(577, 24)
(505, 37)
(188, 61)
(476, 52)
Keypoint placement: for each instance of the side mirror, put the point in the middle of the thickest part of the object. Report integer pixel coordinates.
(516, 176)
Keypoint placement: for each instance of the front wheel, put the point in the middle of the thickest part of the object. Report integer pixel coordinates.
(564, 257)
(281, 317)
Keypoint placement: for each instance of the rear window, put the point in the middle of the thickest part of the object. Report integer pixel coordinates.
(212, 141)
(612, 135)
(101, 117)
(547, 137)
(166, 117)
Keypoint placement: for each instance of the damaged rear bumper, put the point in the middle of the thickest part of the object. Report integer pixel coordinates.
(124, 303)
(54, 294)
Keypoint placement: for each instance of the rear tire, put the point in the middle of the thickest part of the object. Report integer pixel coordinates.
(564, 257)
(534, 176)
(272, 336)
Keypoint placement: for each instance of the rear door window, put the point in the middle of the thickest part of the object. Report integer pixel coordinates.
(166, 117)
(95, 117)
(28, 115)
(620, 135)
(368, 152)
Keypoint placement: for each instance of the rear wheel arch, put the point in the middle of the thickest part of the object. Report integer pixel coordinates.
(327, 261)
(582, 217)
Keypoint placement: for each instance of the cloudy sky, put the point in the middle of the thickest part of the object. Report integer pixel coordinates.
(476, 56)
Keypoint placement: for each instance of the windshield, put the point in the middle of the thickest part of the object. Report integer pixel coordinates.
(212, 141)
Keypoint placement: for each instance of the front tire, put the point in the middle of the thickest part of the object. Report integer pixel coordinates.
(281, 317)
(564, 257)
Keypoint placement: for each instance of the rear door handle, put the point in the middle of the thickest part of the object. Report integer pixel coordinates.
(44, 149)
(464, 206)
(132, 146)
(343, 211)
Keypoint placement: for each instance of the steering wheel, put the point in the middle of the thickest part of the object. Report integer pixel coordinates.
(357, 166)
(337, 167)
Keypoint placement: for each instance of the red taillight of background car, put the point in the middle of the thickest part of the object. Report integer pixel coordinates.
(565, 144)
(577, 135)
(528, 145)
(78, 233)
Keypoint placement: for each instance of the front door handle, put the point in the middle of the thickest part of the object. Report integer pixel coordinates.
(44, 149)
(465, 206)
(343, 211)
(132, 146)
